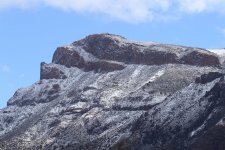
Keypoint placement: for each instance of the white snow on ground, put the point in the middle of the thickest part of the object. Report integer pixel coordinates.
(109, 95)
(92, 113)
(87, 56)
(124, 41)
(218, 51)
(137, 71)
(131, 85)
(79, 105)
(196, 131)
(157, 75)
(158, 99)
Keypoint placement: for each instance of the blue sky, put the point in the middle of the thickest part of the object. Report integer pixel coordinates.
(30, 30)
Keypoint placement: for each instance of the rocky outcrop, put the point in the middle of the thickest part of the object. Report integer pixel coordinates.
(71, 58)
(116, 48)
(112, 47)
(205, 78)
(68, 57)
(51, 72)
(106, 92)
(200, 58)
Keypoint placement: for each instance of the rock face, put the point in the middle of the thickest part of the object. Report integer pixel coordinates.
(51, 72)
(106, 92)
(116, 48)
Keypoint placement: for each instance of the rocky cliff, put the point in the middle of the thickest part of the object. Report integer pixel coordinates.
(106, 92)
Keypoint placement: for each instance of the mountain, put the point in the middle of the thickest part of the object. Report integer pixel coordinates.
(106, 92)
(221, 54)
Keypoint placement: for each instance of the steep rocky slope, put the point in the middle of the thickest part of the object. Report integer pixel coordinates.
(106, 92)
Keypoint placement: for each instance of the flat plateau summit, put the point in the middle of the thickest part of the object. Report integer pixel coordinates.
(105, 92)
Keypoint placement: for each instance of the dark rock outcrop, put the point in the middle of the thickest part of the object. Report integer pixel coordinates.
(205, 78)
(111, 47)
(67, 57)
(72, 58)
(48, 72)
(106, 92)
(212, 139)
(200, 58)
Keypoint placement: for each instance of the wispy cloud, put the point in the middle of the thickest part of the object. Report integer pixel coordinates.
(125, 10)
(199, 6)
(5, 68)
(23, 4)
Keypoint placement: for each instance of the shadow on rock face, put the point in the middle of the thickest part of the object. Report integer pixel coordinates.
(205, 78)
(213, 139)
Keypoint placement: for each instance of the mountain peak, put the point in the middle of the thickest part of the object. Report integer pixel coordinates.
(107, 92)
(109, 47)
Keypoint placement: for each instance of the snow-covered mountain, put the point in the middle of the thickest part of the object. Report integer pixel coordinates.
(219, 51)
(106, 92)
(221, 54)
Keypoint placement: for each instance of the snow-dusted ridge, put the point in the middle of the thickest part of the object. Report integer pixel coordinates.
(221, 54)
(107, 92)
(219, 51)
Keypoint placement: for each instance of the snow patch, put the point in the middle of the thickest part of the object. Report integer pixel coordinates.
(79, 105)
(217, 51)
(137, 72)
(220, 53)
(87, 56)
(193, 133)
(157, 75)
(108, 96)
(158, 99)
(124, 41)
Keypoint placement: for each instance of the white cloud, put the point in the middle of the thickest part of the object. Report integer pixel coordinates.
(125, 10)
(5, 68)
(198, 6)
(193, 6)
(5, 4)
